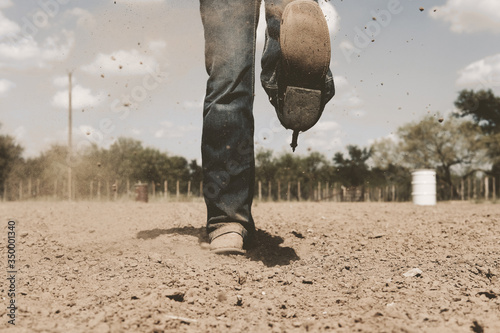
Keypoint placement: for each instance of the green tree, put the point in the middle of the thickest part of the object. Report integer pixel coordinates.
(483, 106)
(354, 170)
(452, 144)
(10, 157)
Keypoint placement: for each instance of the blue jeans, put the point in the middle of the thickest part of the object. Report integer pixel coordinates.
(228, 125)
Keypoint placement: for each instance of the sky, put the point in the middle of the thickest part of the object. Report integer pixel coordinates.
(138, 71)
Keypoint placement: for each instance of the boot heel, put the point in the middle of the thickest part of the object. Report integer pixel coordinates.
(301, 108)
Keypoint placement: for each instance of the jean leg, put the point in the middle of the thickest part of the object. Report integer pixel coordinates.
(228, 125)
(271, 57)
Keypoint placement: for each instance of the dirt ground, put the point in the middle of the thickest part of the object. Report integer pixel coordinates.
(317, 267)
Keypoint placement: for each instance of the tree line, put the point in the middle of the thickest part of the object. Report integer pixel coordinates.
(458, 147)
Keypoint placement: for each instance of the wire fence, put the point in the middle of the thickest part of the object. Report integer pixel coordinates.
(469, 188)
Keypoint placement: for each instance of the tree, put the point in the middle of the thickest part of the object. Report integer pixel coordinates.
(265, 166)
(10, 155)
(441, 145)
(354, 170)
(483, 106)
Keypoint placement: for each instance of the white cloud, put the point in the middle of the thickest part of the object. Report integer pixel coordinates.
(63, 81)
(346, 96)
(170, 130)
(20, 133)
(6, 86)
(484, 73)
(84, 17)
(7, 27)
(331, 16)
(5, 3)
(157, 45)
(136, 131)
(470, 15)
(193, 104)
(325, 135)
(81, 97)
(121, 63)
(26, 53)
(340, 82)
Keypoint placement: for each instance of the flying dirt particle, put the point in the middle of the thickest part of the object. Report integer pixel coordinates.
(435, 10)
(421, 9)
(141, 62)
(113, 58)
(120, 66)
(98, 164)
(102, 75)
(88, 133)
(126, 105)
(440, 120)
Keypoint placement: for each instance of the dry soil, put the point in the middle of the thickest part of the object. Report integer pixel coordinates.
(326, 267)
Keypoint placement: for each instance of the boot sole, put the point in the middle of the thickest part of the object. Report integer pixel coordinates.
(305, 44)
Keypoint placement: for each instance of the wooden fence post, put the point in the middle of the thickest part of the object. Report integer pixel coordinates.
(298, 191)
(21, 190)
(462, 189)
(269, 191)
(201, 189)
(494, 189)
(288, 192)
(177, 191)
(91, 189)
(115, 189)
(165, 189)
(468, 187)
(474, 188)
(128, 188)
(319, 191)
(99, 190)
(279, 191)
(189, 189)
(486, 188)
(154, 187)
(260, 190)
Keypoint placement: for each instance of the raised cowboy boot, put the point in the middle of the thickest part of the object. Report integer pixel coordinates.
(305, 59)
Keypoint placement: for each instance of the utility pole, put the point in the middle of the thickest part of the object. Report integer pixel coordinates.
(70, 141)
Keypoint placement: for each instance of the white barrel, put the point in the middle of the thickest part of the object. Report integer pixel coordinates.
(423, 186)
